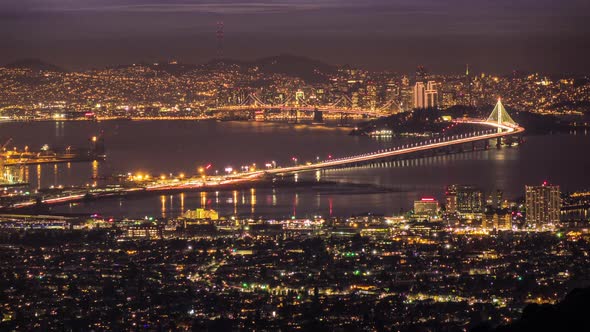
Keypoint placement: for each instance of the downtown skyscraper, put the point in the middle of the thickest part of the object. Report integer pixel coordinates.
(543, 204)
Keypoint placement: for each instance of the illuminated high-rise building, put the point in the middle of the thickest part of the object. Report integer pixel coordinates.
(451, 199)
(468, 87)
(406, 94)
(419, 101)
(431, 95)
(372, 96)
(355, 100)
(543, 204)
(425, 96)
(495, 199)
(469, 200)
(466, 201)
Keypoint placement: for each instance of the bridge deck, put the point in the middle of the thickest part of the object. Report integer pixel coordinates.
(505, 131)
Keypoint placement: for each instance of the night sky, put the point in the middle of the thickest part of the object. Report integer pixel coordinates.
(550, 36)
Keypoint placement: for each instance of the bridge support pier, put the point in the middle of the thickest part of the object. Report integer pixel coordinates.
(499, 142)
(343, 119)
(318, 116)
(294, 114)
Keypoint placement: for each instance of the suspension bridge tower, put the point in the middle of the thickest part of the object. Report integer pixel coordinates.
(501, 117)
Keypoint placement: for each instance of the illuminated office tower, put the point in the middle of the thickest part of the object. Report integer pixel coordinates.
(419, 101)
(451, 199)
(543, 204)
(372, 96)
(495, 199)
(355, 100)
(466, 201)
(425, 96)
(406, 94)
(431, 98)
(431, 95)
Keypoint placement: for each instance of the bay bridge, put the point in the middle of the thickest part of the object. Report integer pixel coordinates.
(343, 105)
(499, 125)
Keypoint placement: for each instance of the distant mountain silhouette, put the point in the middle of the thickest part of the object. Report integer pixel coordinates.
(297, 66)
(34, 64)
(310, 70)
(171, 68)
(303, 67)
(571, 314)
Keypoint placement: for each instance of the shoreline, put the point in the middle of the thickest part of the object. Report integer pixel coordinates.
(327, 125)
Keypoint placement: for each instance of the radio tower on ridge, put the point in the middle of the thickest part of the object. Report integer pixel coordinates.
(219, 35)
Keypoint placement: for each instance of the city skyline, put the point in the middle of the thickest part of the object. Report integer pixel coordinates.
(498, 36)
(309, 165)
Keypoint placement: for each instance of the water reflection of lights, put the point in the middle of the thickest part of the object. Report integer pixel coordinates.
(181, 202)
(163, 205)
(252, 200)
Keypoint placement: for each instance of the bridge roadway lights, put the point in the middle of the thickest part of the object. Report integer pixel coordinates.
(446, 149)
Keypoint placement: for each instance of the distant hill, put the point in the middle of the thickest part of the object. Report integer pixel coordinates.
(34, 64)
(291, 65)
(170, 68)
(571, 314)
(308, 69)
